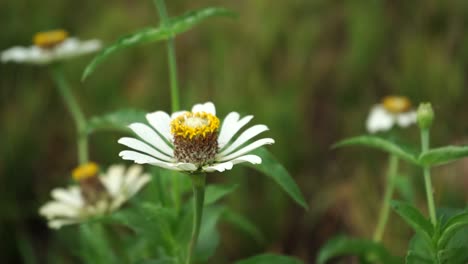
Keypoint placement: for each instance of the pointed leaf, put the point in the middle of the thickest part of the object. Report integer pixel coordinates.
(272, 168)
(176, 26)
(116, 121)
(244, 224)
(454, 255)
(213, 193)
(270, 259)
(415, 258)
(414, 218)
(453, 225)
(386, 145)
(443, 155)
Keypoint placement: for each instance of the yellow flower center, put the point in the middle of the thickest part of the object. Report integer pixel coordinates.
(190, 124)
(396, 104)
(49, 39)
(85, 171)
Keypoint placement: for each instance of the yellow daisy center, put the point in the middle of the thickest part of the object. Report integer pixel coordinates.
(85, 171)
(396, 104)
(49, 39)
(191, 125)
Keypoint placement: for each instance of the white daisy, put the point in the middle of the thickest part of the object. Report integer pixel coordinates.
(95, 195)
(193, 141)
(393, 110)
(50, 46)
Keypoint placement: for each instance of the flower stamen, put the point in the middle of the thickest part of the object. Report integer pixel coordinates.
(50, 39)
(396, 104)
(190, 125)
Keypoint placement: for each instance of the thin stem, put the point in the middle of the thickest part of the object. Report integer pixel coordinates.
(385, 208)
(198, 183)
(74, 109)
(427, 177)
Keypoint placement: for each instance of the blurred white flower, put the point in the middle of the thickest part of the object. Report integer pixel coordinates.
(193, 141)
(95, 195)
(50, 46)
(393, 110)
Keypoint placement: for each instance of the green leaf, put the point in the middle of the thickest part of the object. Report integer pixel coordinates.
(116, 121)
(404, 187)
(367, 249)
(443, 155)
(452, 226)
(94, 245)
(414, 218)
(243, 224)
(454, 255)
(386, 145)
(213, 193)
(416, 258)
(270, 259)
(272, 168)
(209, 237)
(176, 26)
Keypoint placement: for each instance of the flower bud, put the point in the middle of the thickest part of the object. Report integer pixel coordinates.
(425, 115)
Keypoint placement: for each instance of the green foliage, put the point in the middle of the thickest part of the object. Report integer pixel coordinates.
(451, 227)
(213, 193)
(244, 224)
(176, 26)
(115, 121)
(443, 155)
(270, 259)
(414, 218)
(272, 168)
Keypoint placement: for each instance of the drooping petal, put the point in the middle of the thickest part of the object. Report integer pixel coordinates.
(254, 159)
(58, 223)
(139, 145)
(133, 172)
(138, 184)
(207, 107)
(150, 136)
(230, 127)
(113, 179)
(161, 121)
(406, 119)
(68, 196)
(244, 137)
(242, 151)
(59, 209)
(145, 159)
(186, 166)
(379, 120)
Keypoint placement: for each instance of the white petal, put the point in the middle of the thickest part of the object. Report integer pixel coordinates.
(58, 223)
(69, 196)
(207, 107)
(230, 127)
(145, 159)
(186, 166)
(254, 159)
(178, 113)
(133, 172)
(113, 179)
(244, 137)
(406, 119)
(161, 121)
(379, 120)
(150, 136)
(246, 149)
(219, 167)
(138, 184)
(139, 145)
(59, 209)
(73, 47)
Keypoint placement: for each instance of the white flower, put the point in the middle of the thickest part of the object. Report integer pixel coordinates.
(50, 47)
(95, 195)
(192, 141)
(393, 110)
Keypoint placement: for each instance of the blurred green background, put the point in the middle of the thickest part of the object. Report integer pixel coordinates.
(309, 69)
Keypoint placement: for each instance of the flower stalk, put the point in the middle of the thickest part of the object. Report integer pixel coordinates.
(198, 183)
(385, 208)
(427, 177)
(74, 109)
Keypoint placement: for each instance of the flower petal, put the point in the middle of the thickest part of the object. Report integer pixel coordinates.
(186, 166)
(141, 146)
(207, 107)
(406, 119)
(150, 136)
(178, 113)
(138, 184)
(58, 223)
(244, 137)
(379, 120)
(254, 159)
(113, 179)
(246, 149)
(161, 121)
(68, 196)
(219, 167)
(145, 159)
(133, 172)
(58, 209)
(230, 127)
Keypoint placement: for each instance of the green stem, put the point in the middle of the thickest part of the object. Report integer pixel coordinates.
(385, 208)
(427, 177)
(74, 109)
(198, 182)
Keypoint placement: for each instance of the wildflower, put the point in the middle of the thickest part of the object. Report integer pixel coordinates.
(50, 46)
(392, 110)
(193, 141)
(95, 195)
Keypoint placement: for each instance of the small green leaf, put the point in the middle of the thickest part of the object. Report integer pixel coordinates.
(367, 249)
(414, 218)
(404, 187)
(453, 225)
(454, 255)
(386, 145)
(443, 155)
(272, 168)
(116, 121)
(243, 224)
(213, 193)
(416, 258)
(270, 259)
(176, 26)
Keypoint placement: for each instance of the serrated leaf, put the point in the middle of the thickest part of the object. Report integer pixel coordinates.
(414, 218)
(443, 155)
(176, 26)
(243, 224)
(272, 168)
(213, 193)
(367, 249)
(270, 259)
(386, 145)
(115, 121)
(453, 225)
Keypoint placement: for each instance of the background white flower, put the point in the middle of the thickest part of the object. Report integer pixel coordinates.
(192, 141)
(70, 206)
(393, 110)
(53, 46)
